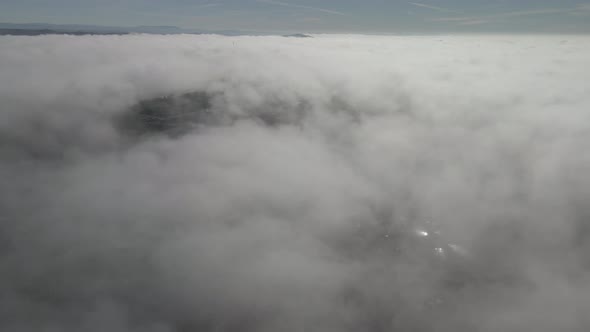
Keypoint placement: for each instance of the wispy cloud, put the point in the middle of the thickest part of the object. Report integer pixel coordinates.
(542, 11)
(189, 11)
(581, 10)
(480, 19)
(286, 4)
(473, 22)
(208, 5)
(438, 9)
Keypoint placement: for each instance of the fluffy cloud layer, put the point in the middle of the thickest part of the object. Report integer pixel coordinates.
(279, 203)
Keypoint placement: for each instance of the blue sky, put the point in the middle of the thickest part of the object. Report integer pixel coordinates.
(313, 16)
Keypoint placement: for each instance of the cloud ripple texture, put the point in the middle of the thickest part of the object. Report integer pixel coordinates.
(208, 183)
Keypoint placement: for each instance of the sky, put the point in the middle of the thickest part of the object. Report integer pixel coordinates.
(420, 16)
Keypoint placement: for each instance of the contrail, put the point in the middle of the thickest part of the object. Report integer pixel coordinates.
(438, 9)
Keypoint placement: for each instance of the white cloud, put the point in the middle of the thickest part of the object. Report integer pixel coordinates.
(278, 209)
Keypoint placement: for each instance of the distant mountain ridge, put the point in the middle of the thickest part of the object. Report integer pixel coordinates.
(40, 32)
(81, 29)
